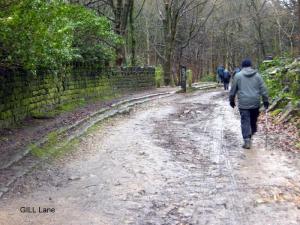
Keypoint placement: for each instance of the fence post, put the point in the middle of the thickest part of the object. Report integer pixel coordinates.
(183, 77)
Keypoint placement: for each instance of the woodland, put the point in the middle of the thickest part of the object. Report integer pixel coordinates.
(68, 65)
(201, 34)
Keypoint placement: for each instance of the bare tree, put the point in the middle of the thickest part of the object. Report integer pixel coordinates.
(201, 33)
(171, 14)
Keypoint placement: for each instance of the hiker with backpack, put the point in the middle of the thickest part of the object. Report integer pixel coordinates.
(249, 86)
(226, 79)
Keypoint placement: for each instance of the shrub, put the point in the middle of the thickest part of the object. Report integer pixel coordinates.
(47, 34)
(278, 75)
(159, 76)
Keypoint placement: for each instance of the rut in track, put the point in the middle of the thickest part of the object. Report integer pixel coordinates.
(172, 161)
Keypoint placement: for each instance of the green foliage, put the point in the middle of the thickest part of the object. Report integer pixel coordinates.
(190, 77)
(53, 146)
(208, 78)
(275, 63)
(279, 74)
(276, 112)
(93, 36)
(47, 34)
(159, 76)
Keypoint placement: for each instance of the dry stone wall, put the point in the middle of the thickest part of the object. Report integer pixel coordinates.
(24, 94)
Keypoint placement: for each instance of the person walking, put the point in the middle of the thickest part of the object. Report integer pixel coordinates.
(235, 71)
(220, 73)
(249, 86)
(226, 79)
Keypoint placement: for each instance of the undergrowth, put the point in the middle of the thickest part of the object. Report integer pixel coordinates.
(208, 78)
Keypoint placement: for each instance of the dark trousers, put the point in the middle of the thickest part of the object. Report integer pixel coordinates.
(249, 122)
(226, 85)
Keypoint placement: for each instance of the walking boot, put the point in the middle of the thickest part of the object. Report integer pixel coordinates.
(247, 143)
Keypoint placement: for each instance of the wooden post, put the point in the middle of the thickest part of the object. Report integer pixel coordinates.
(183, 77)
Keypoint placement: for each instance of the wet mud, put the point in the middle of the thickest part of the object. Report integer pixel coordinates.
(172, 161)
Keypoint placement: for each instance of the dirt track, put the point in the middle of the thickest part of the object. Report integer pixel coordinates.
(173, 161)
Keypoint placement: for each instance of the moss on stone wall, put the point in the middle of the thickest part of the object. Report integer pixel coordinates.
(47, 94)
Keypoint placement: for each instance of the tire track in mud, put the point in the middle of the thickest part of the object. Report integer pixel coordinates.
(175, 161)
(238, 206)
(213, 165)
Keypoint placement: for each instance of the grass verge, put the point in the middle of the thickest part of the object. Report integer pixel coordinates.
(54, 147)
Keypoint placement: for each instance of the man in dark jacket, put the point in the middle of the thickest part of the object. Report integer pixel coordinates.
(226, 79)
(250, 87)
(220, 73)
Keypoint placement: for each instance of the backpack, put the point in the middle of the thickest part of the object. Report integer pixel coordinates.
(226, 76)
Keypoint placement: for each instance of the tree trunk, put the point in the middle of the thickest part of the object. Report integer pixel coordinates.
(298, 36)
(211, 52)
(167, 65)
(132, 34)
(262, 44)
(121, 13)
(148, 42)
(120, 52)
(292, 46)
(168, 48)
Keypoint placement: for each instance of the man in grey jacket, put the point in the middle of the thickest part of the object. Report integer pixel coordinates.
(250, 87)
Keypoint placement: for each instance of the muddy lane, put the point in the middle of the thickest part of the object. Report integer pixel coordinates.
(172, 161)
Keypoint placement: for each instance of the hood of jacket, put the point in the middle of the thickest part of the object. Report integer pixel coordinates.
(248, 72)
